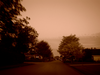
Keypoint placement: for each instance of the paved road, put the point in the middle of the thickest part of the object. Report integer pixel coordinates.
(42, 68)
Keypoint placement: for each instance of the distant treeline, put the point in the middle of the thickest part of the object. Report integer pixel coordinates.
(93, 51)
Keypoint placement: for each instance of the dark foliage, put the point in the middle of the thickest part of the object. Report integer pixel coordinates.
(15, 34)
(87, 55)
(44, 49)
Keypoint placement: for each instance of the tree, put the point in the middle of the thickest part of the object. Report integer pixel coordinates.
(70, 47)
(15, 33)
(13, 29)
(29, 40)
(44, 49)
(10, 9)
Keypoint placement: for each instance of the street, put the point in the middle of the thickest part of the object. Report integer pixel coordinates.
(42, 68)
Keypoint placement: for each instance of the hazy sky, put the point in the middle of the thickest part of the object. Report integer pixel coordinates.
(53, 19)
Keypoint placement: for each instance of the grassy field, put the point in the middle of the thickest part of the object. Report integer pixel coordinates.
(87, 68)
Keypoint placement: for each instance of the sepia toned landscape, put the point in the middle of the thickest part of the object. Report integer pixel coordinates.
(48, 37)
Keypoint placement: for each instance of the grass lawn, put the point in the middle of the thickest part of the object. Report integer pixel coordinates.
(87, 69)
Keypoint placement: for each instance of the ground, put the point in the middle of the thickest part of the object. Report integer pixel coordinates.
(86, 68)
(42, 68)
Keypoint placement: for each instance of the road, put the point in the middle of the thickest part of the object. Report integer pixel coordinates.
(42, 68)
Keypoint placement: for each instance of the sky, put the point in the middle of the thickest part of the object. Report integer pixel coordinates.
(53, 19)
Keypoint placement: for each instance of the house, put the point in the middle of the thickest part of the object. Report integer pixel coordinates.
(96, 54)
(91, 54)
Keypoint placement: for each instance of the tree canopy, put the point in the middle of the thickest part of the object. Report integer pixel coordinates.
(70, 47)
(15, 33)
(44, 49)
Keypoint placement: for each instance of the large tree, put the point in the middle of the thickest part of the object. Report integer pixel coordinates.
(44, 49)
(70, 47)
(10, 9)
(15, 33)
